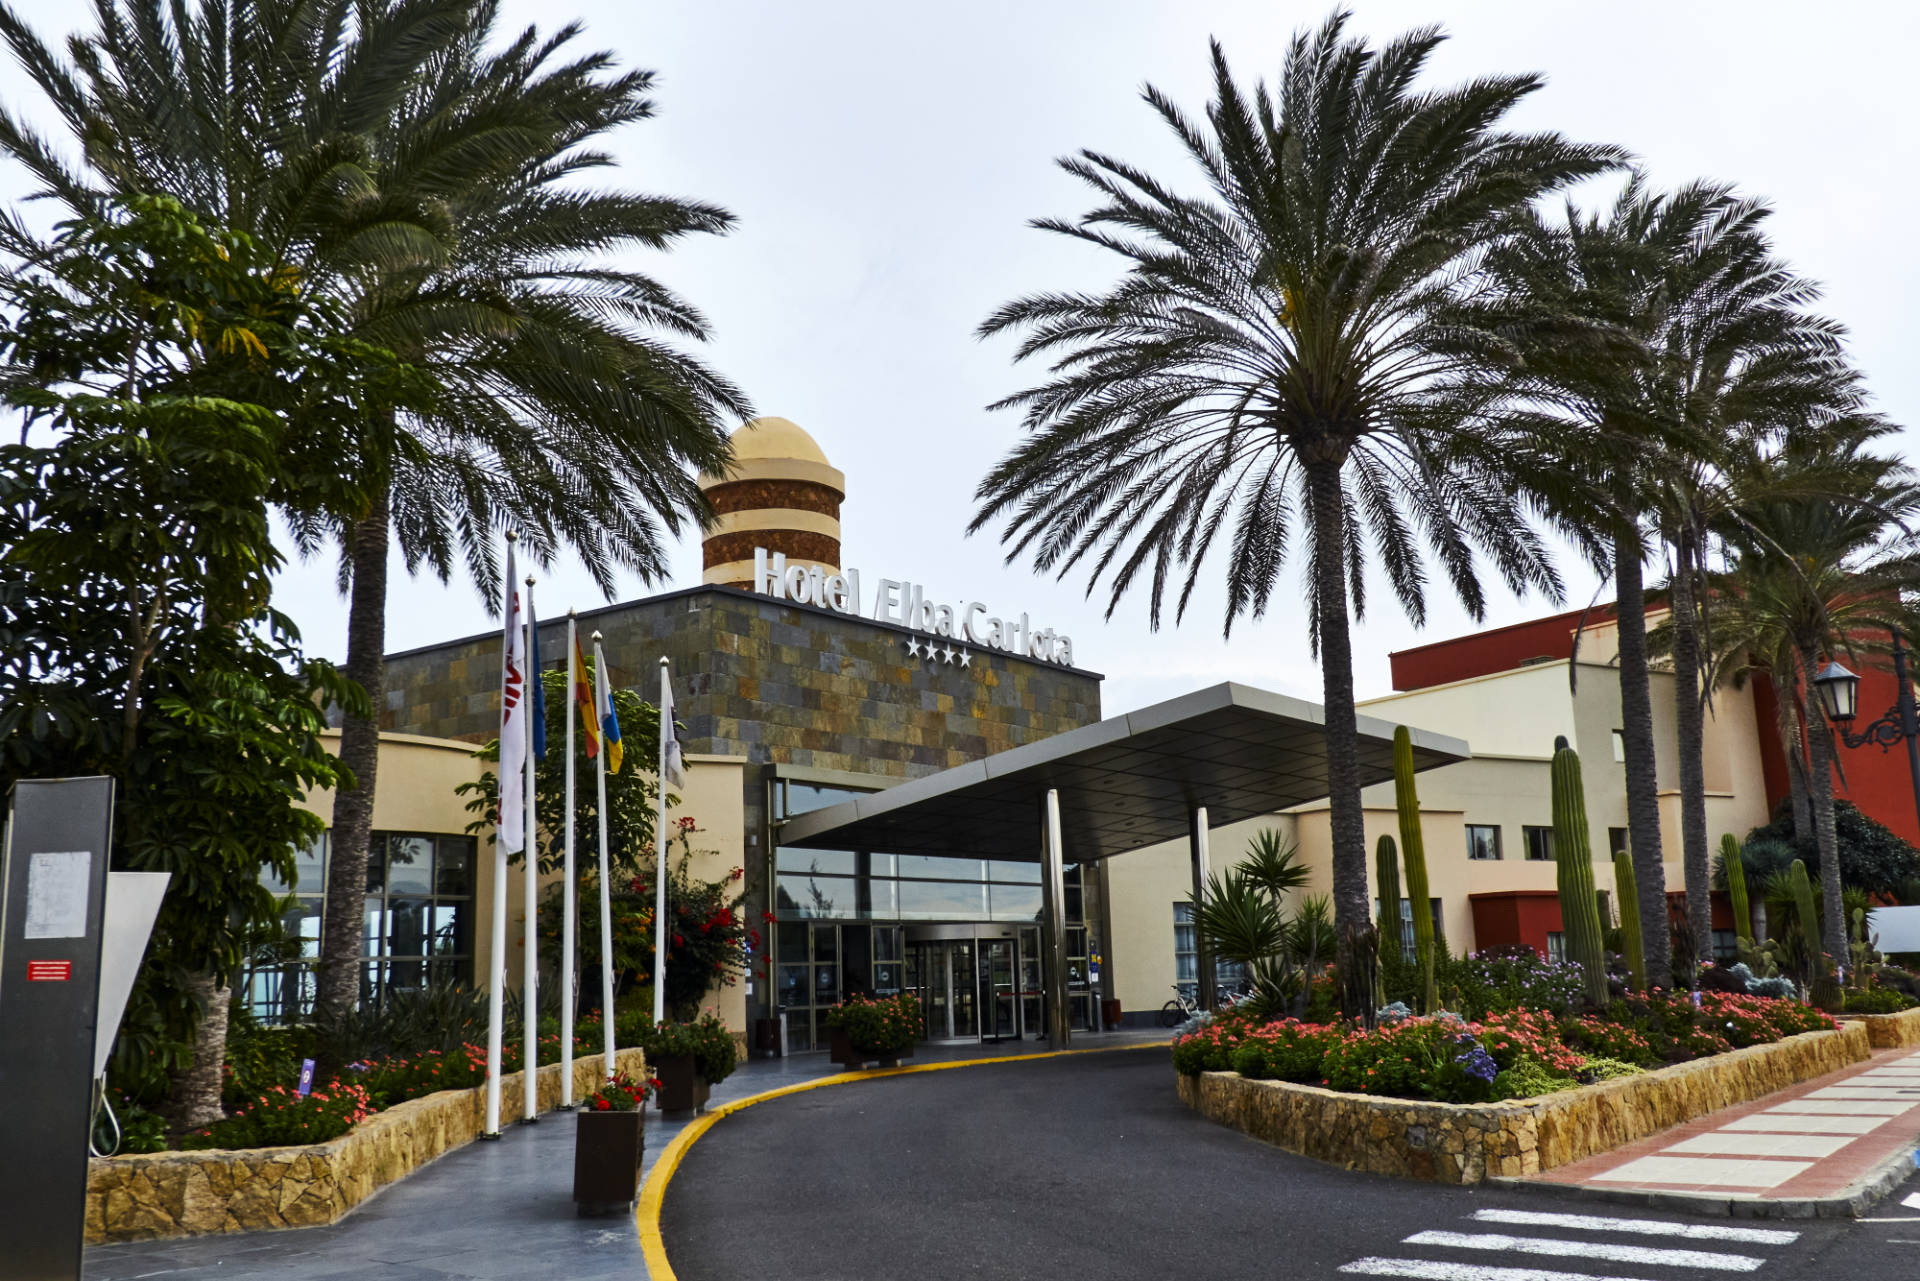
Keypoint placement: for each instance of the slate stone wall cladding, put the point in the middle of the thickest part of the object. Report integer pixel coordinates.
(775, 682)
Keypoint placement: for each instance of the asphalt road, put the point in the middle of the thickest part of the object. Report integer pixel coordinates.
(1089, 1167)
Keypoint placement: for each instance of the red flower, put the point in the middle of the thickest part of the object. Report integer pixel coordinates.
(601, 1105)
(766, 916)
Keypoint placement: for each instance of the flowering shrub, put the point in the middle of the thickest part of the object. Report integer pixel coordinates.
(1601, 1038)
(1876, 1000)
(1436, 1057)
(278, 1117)
(1206, 1044)
(1493, 982)
(1285, 1051)
(882, 1026)
(621, 1094)
(1517, 1036)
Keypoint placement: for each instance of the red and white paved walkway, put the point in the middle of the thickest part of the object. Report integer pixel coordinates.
(1812, 1140)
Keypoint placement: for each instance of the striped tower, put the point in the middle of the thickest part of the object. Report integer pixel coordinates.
(782, 495)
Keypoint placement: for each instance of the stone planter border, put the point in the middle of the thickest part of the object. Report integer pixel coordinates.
(145, 1196)
(1470, 1142)
(1890, 1031)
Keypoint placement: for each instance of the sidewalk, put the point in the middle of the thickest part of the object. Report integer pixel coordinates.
(1820, 1148)
(491, 1210)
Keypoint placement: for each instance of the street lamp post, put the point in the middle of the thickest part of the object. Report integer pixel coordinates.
(1840, 697)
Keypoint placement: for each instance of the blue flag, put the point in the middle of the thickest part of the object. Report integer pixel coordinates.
(539, 686)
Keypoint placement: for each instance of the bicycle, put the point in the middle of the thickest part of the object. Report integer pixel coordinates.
(1181, 1008)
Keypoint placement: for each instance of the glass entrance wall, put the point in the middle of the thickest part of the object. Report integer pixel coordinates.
(839, 916)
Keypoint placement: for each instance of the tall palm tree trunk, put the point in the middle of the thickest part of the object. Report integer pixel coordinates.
(1794, 750)
(1346, 819)
(344, 926)
(195, 1097)
(1689, 712)
(1833, 929)
(1636, 734)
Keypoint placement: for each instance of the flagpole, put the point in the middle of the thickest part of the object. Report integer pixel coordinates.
(530, 973)
(566, 897)
(606, 893)
(661, 927)
(497, 954)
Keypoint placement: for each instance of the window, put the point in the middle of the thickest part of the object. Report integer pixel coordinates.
(1556, 945)
(1616, 841)
(1407, 949)
(1620, 746)
(791, 797)
(1186, 957)
(418, 923)
(1725, 948)
(1539, 842)
(1483, 842)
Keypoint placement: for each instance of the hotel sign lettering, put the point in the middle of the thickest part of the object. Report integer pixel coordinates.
(905, 604)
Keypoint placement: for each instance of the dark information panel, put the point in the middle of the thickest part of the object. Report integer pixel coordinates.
(51, 909)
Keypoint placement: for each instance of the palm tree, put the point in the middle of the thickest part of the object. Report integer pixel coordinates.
(1711, 351)
(430, 190)
(1811, 577)
(1280, 360)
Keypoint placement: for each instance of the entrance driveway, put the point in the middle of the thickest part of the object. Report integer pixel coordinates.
(1089, 1166)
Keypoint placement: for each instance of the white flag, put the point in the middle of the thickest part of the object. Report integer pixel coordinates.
(513, 719)
(669, 737)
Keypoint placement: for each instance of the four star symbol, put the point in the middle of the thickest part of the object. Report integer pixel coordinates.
(917, 648)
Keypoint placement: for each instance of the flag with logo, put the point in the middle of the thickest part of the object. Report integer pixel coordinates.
(583, 699)
(670, 758)
(513, 718)
(603, 700)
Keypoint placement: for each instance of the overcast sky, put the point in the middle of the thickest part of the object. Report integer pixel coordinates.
(883, 160)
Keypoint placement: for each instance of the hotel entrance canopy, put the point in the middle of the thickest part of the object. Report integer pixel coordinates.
(1123, 784)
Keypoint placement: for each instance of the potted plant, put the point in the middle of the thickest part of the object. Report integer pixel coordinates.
(689, 1059)
(884, 1028)
(608, 1141)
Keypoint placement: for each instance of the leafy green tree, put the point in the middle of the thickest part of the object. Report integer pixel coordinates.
(1282, 361)
(408, 162)
(135, 634)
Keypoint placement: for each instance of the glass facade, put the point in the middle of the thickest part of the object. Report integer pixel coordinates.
(418, 923)
(842, 919)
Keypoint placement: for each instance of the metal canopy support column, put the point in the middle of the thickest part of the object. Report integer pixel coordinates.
(1053, 888)
(1202, 954)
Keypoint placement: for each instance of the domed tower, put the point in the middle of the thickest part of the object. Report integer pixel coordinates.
(782, 495)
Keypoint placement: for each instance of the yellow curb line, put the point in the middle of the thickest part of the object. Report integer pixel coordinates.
(653, 1194)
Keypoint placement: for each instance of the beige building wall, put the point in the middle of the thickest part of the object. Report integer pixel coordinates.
(415, 792)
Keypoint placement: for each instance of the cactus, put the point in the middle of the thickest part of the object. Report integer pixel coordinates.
(1802, 890)
(1408, 803)
(1737, 890)
(1573, 856)
(1386, 874)
(1624, 889)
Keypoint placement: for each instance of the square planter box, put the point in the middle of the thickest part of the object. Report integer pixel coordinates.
(683, 1090)
(606, 1160)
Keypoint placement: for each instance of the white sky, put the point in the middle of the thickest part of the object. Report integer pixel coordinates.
(883, 159)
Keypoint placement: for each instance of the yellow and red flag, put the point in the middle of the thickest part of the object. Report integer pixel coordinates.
(583, 699)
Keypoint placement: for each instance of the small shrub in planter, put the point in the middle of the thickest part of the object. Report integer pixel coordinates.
(1207, 1042)
(705, 1040)
(1876, 1000)
(879, 1027)
(1602, 1038)
(1501, 979)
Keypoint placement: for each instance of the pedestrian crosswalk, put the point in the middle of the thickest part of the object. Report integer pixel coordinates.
(1528, 1245)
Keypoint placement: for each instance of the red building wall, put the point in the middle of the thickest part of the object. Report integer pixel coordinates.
(1877, 781)
(1497, 649)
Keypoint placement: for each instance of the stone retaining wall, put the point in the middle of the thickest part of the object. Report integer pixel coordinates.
(1469, 1142)
(1891, 1031)
(170, 1194)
